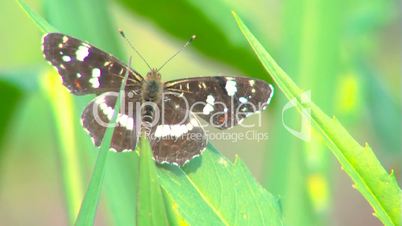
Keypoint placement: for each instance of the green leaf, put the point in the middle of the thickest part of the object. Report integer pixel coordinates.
(62, 105)
(12, 95)
(370, 178)
(172, 213)
(120, 187)
(150, 205)
(43, 25)
(89, 205)
(211, 190)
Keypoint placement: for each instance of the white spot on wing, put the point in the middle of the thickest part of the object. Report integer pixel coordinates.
(171, 130)
(230, 87)
(66, 58)
(99, 100)
(243, 100)
(82, 52)
(125, 121)
(207, 109)
(176, 130)
(271, 95)
(112, 149)
(96, 73)
(94, 82)
(79, 75)
(93, 141)
(65, 39)
(108, 111)
(210, 100)
(189, 126)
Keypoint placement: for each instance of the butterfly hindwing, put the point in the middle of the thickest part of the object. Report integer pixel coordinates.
(223, 101)
(84, 68)
(98, 114)
(177, 137)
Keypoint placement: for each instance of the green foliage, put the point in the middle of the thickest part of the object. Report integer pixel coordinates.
(42, 24)
(211, 190)
(89, 205)
(150, 204)
(370, 178)
(12, 96)
(214, 191)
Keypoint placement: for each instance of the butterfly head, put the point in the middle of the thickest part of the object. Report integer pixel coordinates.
(154, 75)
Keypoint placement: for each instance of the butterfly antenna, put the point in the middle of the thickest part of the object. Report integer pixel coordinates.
(129, 43)
(182, 48)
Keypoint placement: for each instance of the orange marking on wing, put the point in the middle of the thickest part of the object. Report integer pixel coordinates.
(77, 84)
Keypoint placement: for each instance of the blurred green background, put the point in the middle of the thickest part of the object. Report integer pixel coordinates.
(348, 53)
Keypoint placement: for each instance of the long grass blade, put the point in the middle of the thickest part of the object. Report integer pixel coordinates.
(89, 205)
(43, 25)
(378, 187)
(150, 204)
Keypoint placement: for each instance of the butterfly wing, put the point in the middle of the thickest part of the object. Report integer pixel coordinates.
(99, 112)
(177, 136)
(222, 101)
(84, 68)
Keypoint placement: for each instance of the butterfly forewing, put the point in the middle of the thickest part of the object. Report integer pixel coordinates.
(223, 101)
(84, 68)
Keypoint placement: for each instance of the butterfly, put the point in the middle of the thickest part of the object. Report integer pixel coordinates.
(168, 112)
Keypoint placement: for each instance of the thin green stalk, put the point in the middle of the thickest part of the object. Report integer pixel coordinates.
(378, 187)
(89, 205)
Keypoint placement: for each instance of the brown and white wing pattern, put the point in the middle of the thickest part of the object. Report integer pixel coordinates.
(177, 137)
(221, 101)
(84, 68)
(175, 134)
(99, 112)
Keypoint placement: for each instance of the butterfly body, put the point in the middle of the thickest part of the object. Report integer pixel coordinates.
(168, 112)
(151, 95)
(152, 87)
